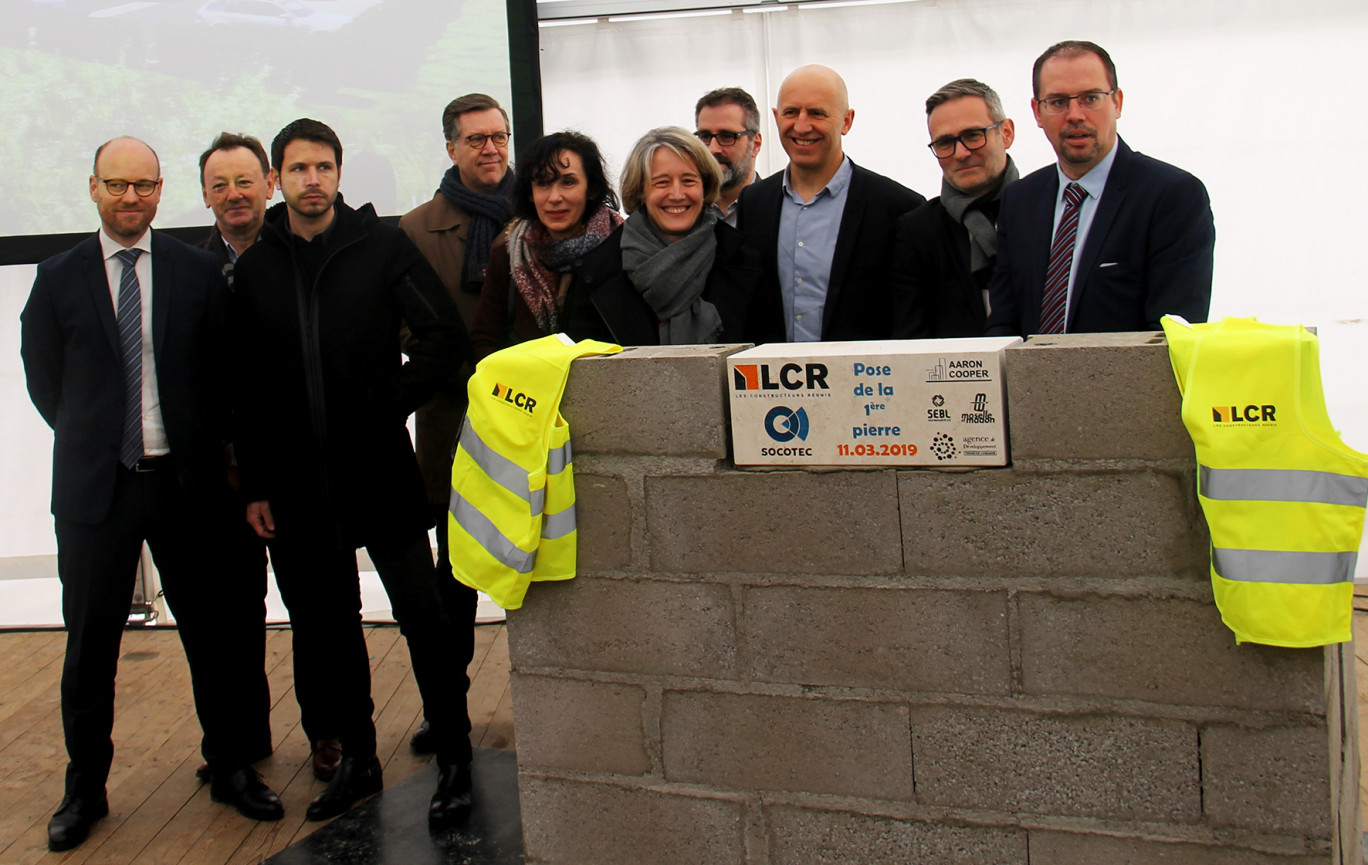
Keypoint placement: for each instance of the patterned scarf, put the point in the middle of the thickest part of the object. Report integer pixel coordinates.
(488, 215)
(541, 266)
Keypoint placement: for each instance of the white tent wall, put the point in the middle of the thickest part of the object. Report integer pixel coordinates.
(1260, 99)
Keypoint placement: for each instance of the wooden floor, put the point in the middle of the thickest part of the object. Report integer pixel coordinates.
(160, 813)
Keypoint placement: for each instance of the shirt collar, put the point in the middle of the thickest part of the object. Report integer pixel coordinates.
(835, 186)
(109, 247)
(1096, 179)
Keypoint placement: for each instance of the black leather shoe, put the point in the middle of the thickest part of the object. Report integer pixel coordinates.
(356, 779)
(327, 756)
(423, 742)
(451, 802)
(71, 824)
(245, 791)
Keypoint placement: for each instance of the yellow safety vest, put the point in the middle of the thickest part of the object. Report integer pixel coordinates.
(512, 513)
(1283, 496)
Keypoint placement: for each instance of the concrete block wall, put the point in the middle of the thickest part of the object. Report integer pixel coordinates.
(1017, 666)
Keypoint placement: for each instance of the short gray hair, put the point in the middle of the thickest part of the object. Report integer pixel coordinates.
(962, 87)
(636, 172)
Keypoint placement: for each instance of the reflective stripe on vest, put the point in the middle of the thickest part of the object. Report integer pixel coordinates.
(1284, 485)
(1280, 566)
(483, 530)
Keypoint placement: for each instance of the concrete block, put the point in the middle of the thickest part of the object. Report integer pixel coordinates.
(1094, 396)
(628, 626)
(1076, 765)
(1065, 848)
(908, 639)
(577, 823)
(805, 836)
(1165, 651)
(775, 522)
(603, 513)
(651, 401)
(1275, 779)
(579, 724)
(814, 745)
(1052, 524)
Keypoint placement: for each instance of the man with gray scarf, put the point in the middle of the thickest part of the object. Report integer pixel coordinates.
(945, 250)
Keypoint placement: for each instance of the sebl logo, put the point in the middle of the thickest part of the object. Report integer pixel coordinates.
(1246, 414)
(751, 376)
(521, 400)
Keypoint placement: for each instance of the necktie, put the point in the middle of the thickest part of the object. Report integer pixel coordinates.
(130, 342)
(1054, 305)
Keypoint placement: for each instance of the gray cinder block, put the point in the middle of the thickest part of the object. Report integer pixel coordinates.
(579, 724)
(1157, 649)
(641, 626)
(577, 823)
(908, 639)
(805, 836)
(1078, 765)
(775, 522)
(651, 401)
(1052, 524)
(1273, 779)
(1094, 396)
(604, 518)
(748, 741)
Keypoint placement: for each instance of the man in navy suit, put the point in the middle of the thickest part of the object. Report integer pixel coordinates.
(824, 225)
(1144, 231)
(123, 355)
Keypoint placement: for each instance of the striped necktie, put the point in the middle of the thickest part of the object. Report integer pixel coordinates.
(130, 342)
(1054, 305)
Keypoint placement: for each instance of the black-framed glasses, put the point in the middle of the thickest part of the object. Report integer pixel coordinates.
(1089, 100)
(477, 141)
(117, 187)
(726, 137)
(972, 139)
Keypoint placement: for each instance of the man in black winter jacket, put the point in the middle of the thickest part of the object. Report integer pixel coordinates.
(325, 458)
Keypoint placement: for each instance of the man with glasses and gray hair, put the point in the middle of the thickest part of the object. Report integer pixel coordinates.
(728, 123)
(454, 232)
(1108, 239)
(944, 251)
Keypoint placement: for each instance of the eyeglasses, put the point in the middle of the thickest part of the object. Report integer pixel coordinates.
(726, 138)
(477, 141)
(972, 139)
(1089, 101)
(144, 188)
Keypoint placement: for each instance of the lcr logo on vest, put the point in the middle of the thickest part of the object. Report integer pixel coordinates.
(521, 400)
(1254, 414)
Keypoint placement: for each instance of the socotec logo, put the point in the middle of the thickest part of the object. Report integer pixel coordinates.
(1244, 414)
(790, 376)
(783, 424)
(521, 400)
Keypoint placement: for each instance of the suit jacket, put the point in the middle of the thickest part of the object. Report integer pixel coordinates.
(1148, 252)
(859, 299)
(74, 367)
(438, 228)
(935, 294)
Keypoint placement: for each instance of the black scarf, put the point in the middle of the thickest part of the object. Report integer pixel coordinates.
(488, 215)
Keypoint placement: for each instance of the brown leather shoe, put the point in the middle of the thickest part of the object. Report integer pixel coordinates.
(327, 756)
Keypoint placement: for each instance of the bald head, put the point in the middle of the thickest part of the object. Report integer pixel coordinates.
(126, 144)
(812, 114)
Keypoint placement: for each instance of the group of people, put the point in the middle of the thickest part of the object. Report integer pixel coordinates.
(271, 372)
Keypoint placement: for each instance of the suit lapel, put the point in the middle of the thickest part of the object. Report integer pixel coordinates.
(851, 217)
(97, 289)
(163, 279)
(1113, 197)
(1043, 222)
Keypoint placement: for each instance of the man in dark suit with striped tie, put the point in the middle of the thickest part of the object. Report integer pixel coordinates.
(122, 350)
(1108, 239)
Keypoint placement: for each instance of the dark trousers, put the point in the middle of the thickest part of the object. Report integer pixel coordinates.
(458, 602)
(220, 615)
(319, 583)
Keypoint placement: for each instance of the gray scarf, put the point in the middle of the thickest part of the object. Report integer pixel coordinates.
(671, 276)
(967, 210)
